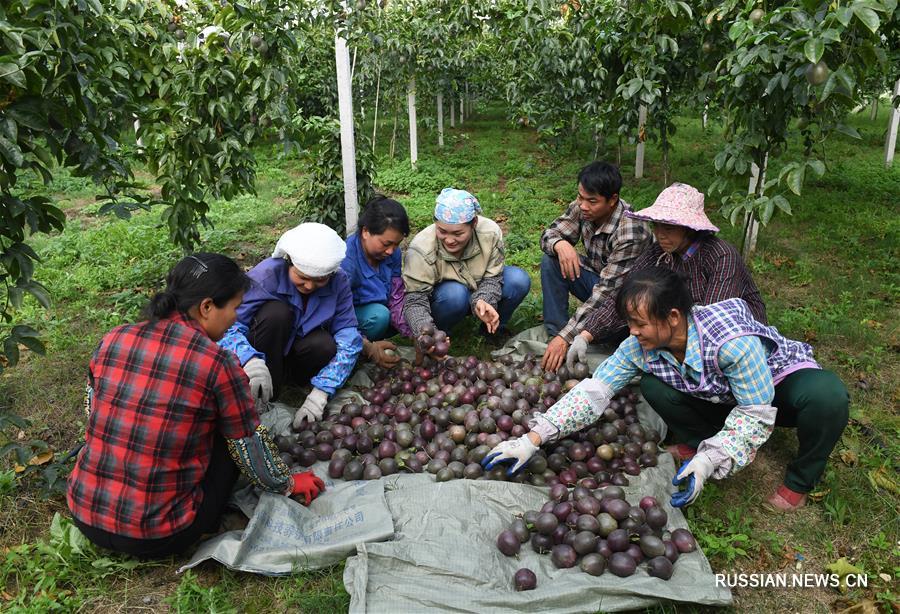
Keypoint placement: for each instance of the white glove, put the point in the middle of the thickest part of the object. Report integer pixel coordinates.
(577, 351)
(519, 450)
(313, 407)
(260, 379)
(696, 471)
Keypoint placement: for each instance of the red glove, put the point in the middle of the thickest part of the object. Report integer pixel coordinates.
(308, 485)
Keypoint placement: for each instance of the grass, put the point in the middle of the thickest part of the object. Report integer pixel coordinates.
(828, 275)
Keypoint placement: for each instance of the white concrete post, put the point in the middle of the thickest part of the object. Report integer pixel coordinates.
(890, 145)
(639, 152)
(348, 147)
(440, 118)
(413, 136)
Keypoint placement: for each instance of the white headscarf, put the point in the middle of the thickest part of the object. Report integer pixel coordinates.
(315, 249)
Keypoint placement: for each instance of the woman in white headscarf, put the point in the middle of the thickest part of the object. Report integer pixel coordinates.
(297, 320)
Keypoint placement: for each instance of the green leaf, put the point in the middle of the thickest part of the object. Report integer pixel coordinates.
(11, 152)
(767, 208)
(829, 86)
(846, 80)
(817, 166)
(844, 15)
(848, 130)
(11, 349)
(38, 291)
(813, 49)
(782, 203)
(868, 17)
(795, 180)
(12, 73)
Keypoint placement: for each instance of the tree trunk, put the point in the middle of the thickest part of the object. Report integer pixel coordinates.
(394, 132)
(751, 224)
(468, 101)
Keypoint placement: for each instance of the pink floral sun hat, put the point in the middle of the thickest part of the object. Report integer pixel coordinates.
(679, 204)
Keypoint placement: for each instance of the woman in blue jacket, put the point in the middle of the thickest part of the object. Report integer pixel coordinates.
(297, 321)
(373, 266)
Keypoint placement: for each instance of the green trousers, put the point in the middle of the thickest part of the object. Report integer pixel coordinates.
(813, 401)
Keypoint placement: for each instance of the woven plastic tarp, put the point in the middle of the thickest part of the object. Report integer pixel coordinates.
(422, 545)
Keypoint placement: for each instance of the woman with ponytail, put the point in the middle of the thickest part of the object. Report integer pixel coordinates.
(171, 422)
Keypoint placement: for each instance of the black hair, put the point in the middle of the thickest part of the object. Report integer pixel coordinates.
(659, 290)
(194, 278)
(601, 178)
(381, 213)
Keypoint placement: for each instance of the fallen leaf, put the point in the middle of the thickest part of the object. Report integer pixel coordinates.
(871, 323)
(849, 457)
(819, 494)
(842, 567)
(6, 596)
(884, 577)
(880, 478)
(865, 606)
(42, 459)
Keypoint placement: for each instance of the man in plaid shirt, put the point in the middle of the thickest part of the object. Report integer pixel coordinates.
(612, 243)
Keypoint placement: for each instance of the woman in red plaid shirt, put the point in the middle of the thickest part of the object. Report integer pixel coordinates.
(171, 421)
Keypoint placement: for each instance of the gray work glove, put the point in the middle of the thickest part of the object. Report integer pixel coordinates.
(313, 408)
(260, 379)
(577, 351)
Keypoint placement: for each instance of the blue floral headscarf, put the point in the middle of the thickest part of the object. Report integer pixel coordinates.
(456, 207)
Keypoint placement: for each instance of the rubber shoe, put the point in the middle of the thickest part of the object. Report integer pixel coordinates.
(681, 452)
(784, 500)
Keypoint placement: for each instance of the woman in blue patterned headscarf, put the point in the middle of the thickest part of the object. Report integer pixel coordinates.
(455, 267)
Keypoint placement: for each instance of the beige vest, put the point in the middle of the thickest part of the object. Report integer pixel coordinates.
(427, 263)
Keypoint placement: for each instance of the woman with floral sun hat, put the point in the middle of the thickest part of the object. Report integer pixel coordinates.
(455, 267)
(685, 243)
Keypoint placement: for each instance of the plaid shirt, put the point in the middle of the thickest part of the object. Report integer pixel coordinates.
(714, 270)
(612, 249)
(742, 360)
(161, 392)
